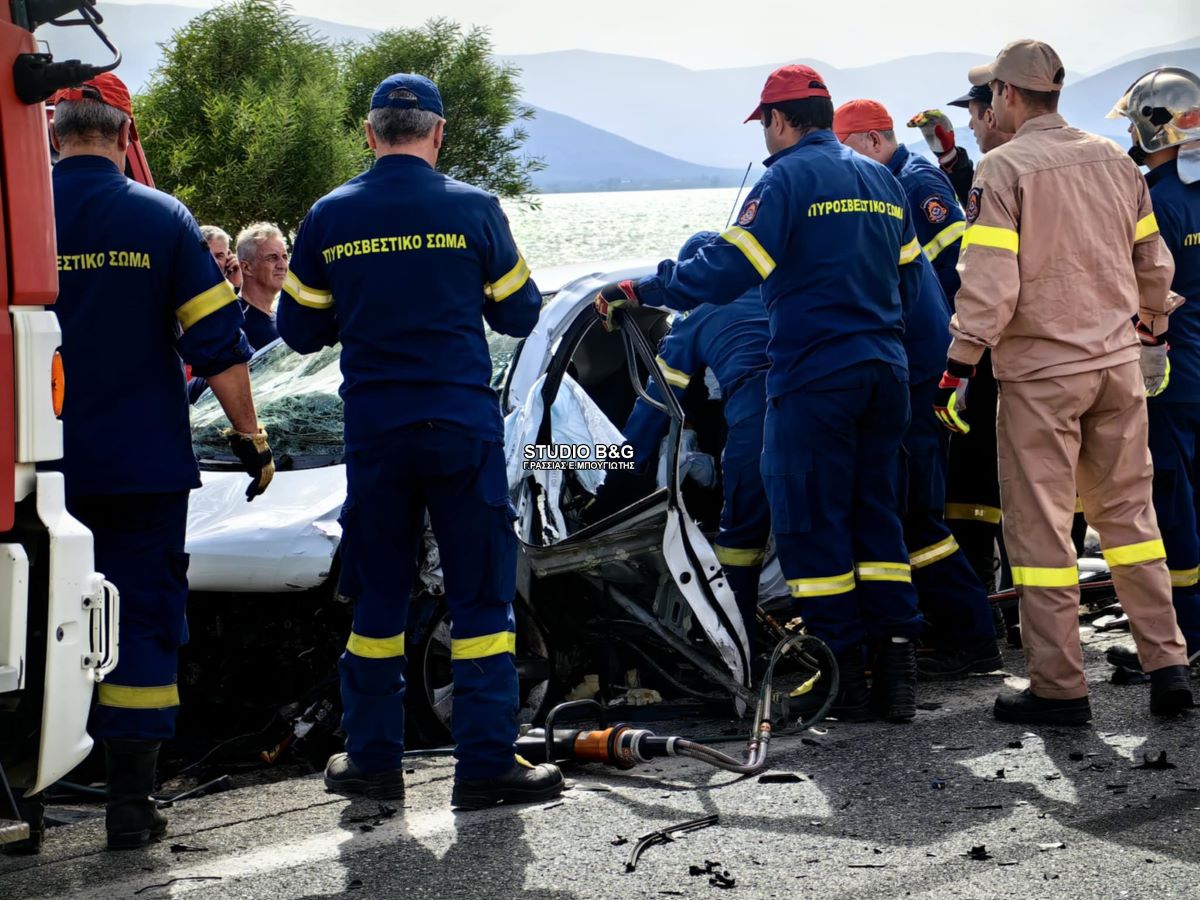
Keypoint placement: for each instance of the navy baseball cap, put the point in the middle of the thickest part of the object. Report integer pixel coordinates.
(980, 92)
(407, 91)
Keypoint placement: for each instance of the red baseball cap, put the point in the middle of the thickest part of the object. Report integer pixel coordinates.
(105, 87)
(861, 115)
(790, 83)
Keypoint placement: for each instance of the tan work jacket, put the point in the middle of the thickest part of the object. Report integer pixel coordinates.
(1061, 252)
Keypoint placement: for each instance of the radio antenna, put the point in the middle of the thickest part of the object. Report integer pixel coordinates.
(739, 193)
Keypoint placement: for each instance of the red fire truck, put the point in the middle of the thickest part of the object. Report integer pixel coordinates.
(58, 616)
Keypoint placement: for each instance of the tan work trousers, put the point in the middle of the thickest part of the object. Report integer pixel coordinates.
(1085, 431)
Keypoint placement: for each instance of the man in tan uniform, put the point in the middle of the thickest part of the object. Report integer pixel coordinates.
(1062, 251)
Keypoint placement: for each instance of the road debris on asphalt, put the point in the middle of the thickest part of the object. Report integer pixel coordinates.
(665, 836)
(779, 778)
(184, 848)
(1056, 845)
(174, 881)
(1158, 762)
(717, 875)
(978, 853)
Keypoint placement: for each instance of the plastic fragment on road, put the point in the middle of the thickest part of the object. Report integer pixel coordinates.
(978, 853)
(1056, 845)
(665, 836)
(779, 778)
(1158, 762)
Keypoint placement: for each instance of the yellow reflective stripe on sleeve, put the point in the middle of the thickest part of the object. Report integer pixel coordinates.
(484, 645)
(736, 556)
(304, 295)
(510, 283)
(205, 304)
(883, 571)
(944, 239)
(1146, 226)
(124, 696)
(909, 252)
(673, 376)
(972, 512)
(1185, 577)
(376, 648)
(1132, 554)
(749, 245)
(991, 236)
(825, 586)
(1034, 576)
(927, 556)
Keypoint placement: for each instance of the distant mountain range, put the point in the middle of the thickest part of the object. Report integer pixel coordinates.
(610, 122)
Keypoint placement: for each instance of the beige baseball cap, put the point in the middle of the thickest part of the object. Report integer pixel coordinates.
(1026, 64)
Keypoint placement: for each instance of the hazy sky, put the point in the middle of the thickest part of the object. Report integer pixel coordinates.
(702, 34)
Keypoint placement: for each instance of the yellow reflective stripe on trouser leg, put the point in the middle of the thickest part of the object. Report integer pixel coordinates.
(1185, 577)
(944, 239)
(205, 304)
(376, 648)
(1146, 226)
(927, 556)
(1037, 576)
(304, 295)
(825, 586)
(484, 645)
(736, 556)
(125, 696)
(973, 512)
(1132, 554)
(883, 571)
(512, 281)
(753, 250)
(991, 236)
(673, 377)
(910, 251)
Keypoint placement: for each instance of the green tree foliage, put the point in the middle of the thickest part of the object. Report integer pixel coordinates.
(483, 112)
(244, 119)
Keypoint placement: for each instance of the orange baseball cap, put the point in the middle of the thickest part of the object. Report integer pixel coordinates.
(790, 83)
(859, 116)
(105, 87)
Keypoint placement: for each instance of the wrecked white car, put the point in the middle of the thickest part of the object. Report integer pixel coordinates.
(629, 582)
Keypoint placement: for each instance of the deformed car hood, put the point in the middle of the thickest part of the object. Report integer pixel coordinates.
(283, 541)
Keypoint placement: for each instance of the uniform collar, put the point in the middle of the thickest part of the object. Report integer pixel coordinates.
(401, 160)
(899, 158)
(816, 137)
(1166, 170)
(87, 164)
(1042, 123)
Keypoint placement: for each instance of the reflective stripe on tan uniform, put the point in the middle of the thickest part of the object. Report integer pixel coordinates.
(1061, 252)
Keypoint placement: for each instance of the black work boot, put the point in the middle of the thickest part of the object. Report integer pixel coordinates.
(894, 681)
(523, 783)
(1123, 657)
(132, 818)
(853, 700)
(343, 776)
(975, 657)
(1027, 708)
(33, 811)
(1170, 692)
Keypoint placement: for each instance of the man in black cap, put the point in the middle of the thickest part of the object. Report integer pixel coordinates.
(938, 132)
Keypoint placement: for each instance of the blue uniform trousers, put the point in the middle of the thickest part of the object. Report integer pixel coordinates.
(1175, 449)
(138, 540)
(745, 518)
(461, 481)
(949, 592)
(831, 466)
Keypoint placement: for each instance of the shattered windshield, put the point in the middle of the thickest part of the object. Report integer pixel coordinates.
(298, 404)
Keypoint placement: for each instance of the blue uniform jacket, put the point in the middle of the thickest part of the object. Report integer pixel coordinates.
(827, 234)
(259, 328)
(732, 341)
(936, 215)
(138, 289)
(1177, 209)
(927, 329)
(402, 264)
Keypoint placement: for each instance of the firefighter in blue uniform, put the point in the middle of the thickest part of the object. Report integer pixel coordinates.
(731, 341)
(962, 636)
(827, 235)
(1163, 107)
(403, 265)
(121, 241)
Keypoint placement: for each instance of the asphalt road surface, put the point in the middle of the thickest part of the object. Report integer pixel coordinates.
(877, 811)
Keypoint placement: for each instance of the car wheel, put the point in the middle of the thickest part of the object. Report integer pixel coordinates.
(431, 682)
